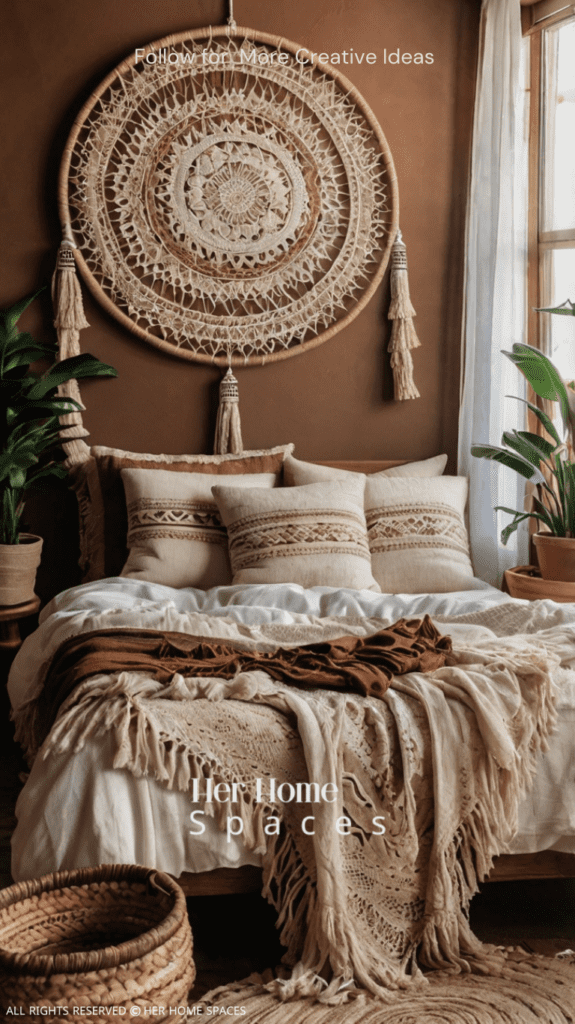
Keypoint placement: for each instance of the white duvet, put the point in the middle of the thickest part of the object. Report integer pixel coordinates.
(75, 810)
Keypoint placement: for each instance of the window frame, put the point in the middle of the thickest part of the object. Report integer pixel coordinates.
(536, 18)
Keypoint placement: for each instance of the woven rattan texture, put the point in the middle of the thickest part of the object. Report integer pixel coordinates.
(227, 206)
(113, 936)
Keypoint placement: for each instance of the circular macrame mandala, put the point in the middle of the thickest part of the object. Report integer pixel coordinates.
(228, 201)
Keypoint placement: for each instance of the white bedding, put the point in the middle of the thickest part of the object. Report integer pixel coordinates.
(75, 810)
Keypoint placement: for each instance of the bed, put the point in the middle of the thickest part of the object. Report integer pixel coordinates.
(121, 773)
(545, 844)
(543, 847)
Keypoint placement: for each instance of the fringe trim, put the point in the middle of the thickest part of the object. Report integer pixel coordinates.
(532, 988)
(443, 940)
(228, 438)
(100, 706)
(69, 320)
(403, 336)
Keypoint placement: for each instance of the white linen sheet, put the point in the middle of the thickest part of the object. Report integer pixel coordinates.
(76, 810)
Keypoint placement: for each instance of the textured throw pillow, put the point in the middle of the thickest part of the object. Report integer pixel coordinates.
(417, 535)
(102, 505)
(175, 533)
(297, 472)
(313, 535)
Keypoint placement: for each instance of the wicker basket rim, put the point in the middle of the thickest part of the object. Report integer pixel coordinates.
(41, 964)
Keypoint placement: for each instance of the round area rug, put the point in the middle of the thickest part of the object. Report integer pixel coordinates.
(533, 990)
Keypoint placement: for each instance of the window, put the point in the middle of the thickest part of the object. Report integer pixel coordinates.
(552, 181)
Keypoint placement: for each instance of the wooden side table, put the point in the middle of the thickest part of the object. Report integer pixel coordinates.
(10, 617)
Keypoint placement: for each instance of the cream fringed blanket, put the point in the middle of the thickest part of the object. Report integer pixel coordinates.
(442, 758)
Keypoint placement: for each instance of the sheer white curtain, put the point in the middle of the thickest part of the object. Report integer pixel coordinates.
(495, 286)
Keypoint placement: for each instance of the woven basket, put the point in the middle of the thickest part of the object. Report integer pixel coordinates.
(112, 936)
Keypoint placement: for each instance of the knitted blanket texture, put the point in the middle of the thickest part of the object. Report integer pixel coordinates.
(373, 887)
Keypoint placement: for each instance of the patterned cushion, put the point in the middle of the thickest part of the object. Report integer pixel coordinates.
(102, 505)
(313, 535)
(417, 535)
(297, 472)
(175, 533)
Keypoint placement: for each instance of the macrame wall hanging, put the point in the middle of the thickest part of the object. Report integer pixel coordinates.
(230, 202)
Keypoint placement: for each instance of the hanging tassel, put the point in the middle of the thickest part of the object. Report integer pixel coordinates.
(228, 427)
(69, 320)
(403, 336)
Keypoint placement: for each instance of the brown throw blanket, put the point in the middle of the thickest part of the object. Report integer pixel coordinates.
(355, 664)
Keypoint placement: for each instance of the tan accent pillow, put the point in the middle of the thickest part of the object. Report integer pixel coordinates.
(313, 535)
(297, 472)
(175, 534)
(102, 505)
(417, 535)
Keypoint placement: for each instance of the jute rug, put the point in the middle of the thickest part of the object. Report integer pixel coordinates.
(531, 990)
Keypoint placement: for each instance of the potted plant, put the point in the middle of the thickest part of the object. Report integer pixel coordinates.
(545, 461)
(29, 439)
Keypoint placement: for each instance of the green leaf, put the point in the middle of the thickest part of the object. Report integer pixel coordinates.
(75, 368)
(32, 432)
(31, 444)
(518, 517)
(11, 511)
(544, 447)
(488, 451)
(87, 365)
(12, 315)
(23, 358)
(541, 416)
(51, 470)
(19, 340)
(510, 511)
(521, 443)
(568, 495)
(566, 308)
(17, 477)
(539, 371)
(22, 350)
(553, 521)
(39, 409)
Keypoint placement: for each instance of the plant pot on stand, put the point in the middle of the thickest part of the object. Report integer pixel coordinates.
(18, 565)
(548, 462)
(31, 407)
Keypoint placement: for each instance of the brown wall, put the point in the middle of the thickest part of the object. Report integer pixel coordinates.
(335, 401)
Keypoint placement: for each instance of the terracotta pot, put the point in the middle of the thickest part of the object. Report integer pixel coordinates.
(556, 556)
(525, 581)
(18, 564)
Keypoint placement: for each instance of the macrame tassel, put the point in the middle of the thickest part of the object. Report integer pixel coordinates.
(69, 320)
(403, 336)
(228, 427)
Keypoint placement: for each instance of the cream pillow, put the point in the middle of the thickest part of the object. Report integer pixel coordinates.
(297, 472)
(313, 535)
(417, 535)
(175, 533)
(98, 485)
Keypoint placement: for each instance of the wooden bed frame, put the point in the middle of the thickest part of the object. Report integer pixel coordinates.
(516, 867)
